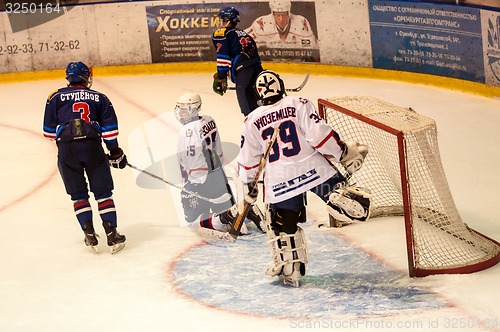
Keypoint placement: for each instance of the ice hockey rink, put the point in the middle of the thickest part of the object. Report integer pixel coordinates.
(169, 279)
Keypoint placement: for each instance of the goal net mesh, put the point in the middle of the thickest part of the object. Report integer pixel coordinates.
(404, 161)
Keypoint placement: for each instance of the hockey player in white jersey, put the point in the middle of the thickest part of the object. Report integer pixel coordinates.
(282, 29)
(299, 162)
(201, 158)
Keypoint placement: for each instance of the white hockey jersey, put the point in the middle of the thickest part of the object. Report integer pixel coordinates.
(194, 140)
(296, 163)
(300, 35)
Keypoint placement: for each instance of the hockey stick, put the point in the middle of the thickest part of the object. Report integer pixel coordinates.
(218, 200)
(297, 89)
(242, 213)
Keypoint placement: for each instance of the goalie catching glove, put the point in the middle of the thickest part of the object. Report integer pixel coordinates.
(117, 158)
(220, 84)
(353, 156)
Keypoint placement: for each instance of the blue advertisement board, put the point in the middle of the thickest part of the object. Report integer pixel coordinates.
(425, 38)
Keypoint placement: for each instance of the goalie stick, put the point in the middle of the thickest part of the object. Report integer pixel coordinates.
(297, 89)
(234, 231)
(218, 200)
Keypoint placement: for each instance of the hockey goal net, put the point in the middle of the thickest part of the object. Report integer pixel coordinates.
(404, 171)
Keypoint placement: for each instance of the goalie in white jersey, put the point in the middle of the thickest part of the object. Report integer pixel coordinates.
(298, 162)
(282, 29)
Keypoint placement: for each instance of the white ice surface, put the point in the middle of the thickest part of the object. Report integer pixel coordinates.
(49, 281)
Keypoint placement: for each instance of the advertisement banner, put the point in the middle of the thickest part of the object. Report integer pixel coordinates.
(427, 38)
(179, 33)
(478, 3)
(183, 32)
(491, 24)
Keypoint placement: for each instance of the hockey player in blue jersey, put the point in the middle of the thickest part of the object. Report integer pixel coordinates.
(238, 58)
(79, 119)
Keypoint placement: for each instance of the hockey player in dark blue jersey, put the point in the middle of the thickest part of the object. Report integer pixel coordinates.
(238, 58)
(79, 119)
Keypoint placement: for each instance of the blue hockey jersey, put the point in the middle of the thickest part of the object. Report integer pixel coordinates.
(69, 104)
(235, 50)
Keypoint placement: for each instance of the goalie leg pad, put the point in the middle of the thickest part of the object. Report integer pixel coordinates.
(348, 204)
(288, 254)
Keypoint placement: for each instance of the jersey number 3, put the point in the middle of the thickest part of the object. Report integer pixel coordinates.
(84, 110)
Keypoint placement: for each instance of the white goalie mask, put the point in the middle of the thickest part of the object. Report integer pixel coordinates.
(280, 6)
(187, 107)
(269, 87)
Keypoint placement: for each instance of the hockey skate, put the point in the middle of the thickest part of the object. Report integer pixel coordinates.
(116, 241)
(227, 218)
(349, 204)
(90, 239)
(256, 216)
(293, 279)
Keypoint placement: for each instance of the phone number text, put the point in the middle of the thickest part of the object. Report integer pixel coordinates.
(39, 47)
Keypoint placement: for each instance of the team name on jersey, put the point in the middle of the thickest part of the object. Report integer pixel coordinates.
(207, 128)
(282, 113)
(241, 33)
(79, 95)
(297, 182)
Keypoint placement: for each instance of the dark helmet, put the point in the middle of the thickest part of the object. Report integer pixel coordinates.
(269, 87)
(78, 72)
(230, 14)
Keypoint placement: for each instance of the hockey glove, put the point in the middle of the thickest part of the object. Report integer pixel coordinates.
(353, 156)
(117, 158)
(253, 192)
(220, 85)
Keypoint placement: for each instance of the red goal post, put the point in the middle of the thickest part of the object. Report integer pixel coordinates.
(404, 171)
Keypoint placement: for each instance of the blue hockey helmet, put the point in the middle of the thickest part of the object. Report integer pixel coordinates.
(78, 72)
(229, 14)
